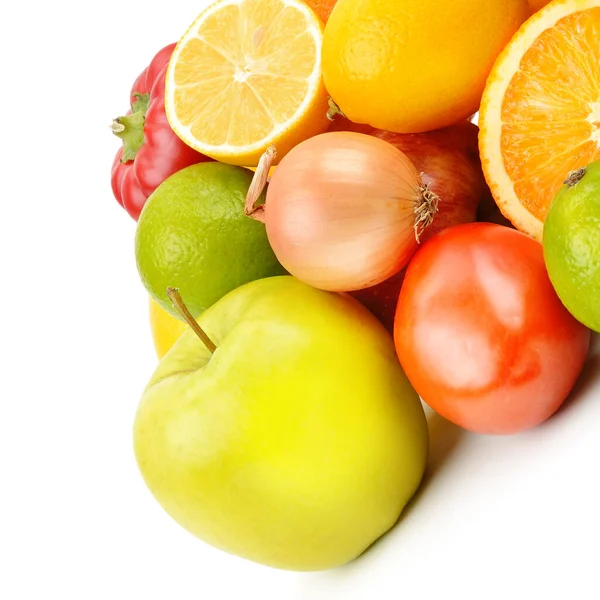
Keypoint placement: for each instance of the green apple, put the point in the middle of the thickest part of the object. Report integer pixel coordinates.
(297, 442)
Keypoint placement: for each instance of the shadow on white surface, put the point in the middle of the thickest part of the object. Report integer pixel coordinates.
(495, 516)
(588, 380)
(445, 442)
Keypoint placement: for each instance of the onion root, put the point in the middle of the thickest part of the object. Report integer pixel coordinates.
(425, 210)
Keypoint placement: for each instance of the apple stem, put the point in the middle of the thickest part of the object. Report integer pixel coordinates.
(177, 301)
(258, 185)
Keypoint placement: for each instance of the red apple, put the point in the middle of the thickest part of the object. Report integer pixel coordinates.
(488, 212)
(382, 299)
(448, 160)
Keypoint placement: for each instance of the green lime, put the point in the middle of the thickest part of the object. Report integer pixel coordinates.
(572, 245)
(193, 235)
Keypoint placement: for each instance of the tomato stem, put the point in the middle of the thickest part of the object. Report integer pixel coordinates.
(257, 186)
(425, 210)
(179, 304)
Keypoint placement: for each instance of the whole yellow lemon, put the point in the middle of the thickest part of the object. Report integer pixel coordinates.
(165, 328)
(414, 65)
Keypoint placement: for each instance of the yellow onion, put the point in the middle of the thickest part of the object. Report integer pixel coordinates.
(343, 211)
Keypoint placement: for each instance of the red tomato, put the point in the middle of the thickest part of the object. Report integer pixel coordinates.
(482, 335)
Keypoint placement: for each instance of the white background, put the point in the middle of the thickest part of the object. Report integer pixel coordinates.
(515, 517)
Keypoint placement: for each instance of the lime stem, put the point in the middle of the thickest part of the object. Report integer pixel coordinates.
(575, 177)
(258, 185)
(179, 304)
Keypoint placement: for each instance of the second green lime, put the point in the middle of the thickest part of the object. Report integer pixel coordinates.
(572, 245)
(193, 235)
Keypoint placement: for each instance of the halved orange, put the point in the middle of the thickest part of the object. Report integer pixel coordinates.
(540, 113)
(247, 75)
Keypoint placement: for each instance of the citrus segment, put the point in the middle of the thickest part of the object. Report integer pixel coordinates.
(247, 74)
(540, 114)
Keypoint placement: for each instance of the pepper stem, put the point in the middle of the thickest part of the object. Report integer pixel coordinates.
(258, 185)
(179, 304)
(130, 128)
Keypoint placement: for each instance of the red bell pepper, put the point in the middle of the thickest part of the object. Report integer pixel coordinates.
(151, 150)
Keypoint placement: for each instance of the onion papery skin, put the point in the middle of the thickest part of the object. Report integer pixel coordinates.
(340, 211)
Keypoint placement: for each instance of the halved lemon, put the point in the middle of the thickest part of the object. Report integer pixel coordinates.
(247, 75)
(540, 113)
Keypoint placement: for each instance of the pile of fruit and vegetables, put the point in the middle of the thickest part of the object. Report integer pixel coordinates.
(348, 213)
